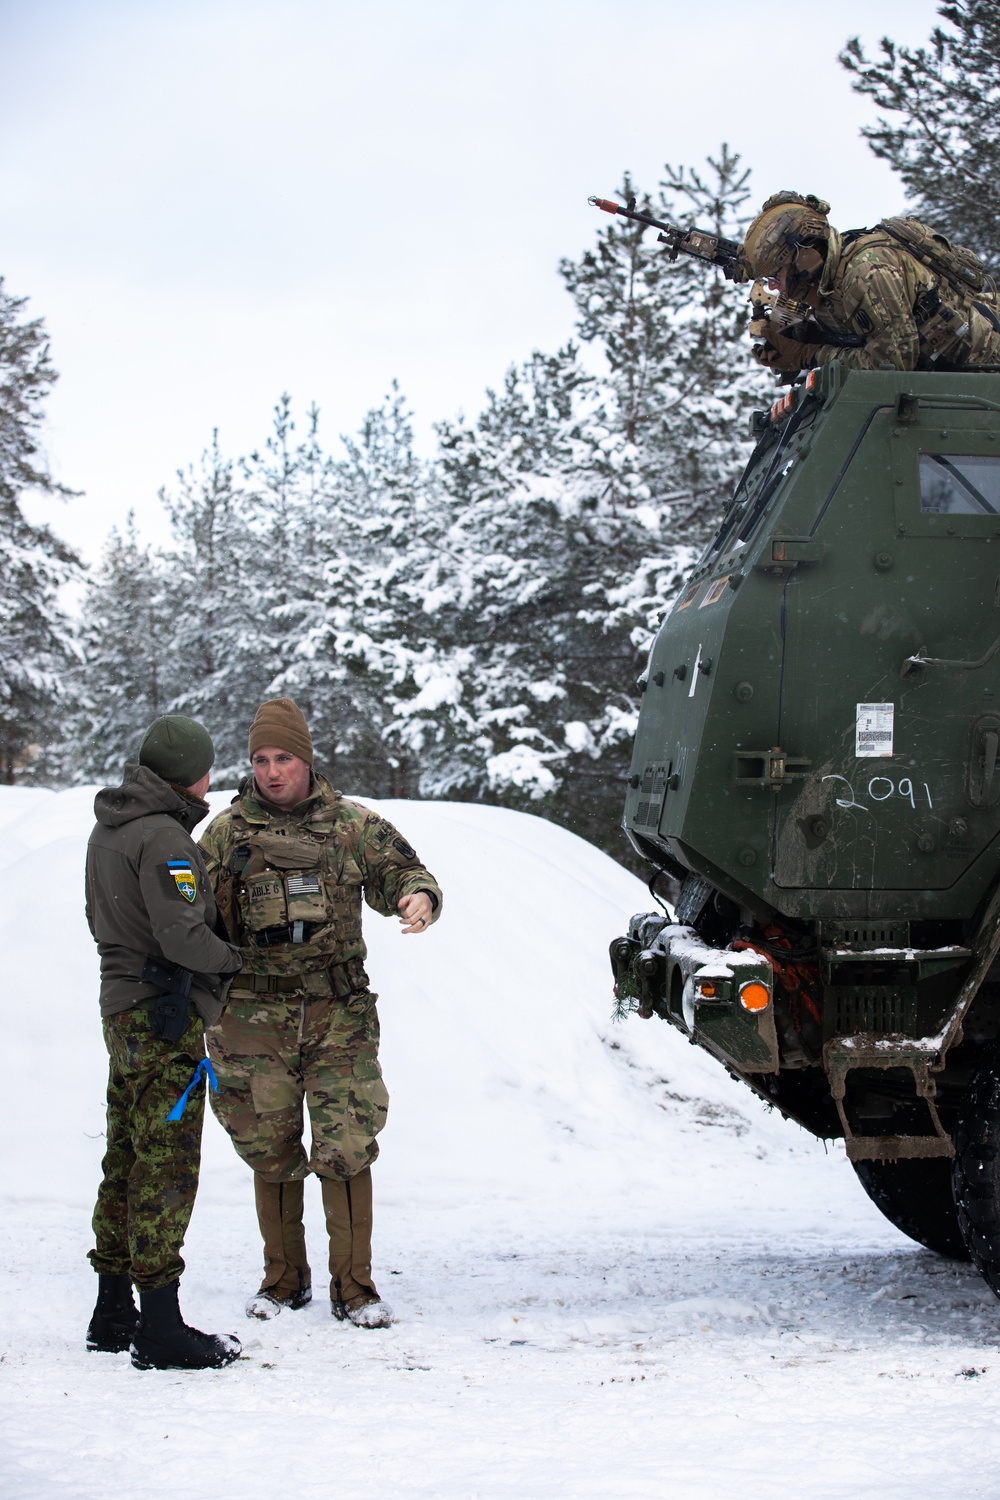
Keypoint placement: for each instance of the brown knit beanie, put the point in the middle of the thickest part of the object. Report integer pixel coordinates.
(282, 724)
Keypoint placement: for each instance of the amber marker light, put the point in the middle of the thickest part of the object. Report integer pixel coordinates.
(706, 989)
(755, 996)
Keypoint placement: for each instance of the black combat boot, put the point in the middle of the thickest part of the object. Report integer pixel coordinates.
(163, 1341)
(113, 1324)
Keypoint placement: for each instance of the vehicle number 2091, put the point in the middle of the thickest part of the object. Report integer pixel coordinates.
(881, 788)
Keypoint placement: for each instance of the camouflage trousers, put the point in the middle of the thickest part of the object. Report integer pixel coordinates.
(272, 1056)
(150, 1166)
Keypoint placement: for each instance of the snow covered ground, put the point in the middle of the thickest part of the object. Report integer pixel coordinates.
(615, 1274)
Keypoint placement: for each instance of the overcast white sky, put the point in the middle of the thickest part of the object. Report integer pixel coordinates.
(214, 201)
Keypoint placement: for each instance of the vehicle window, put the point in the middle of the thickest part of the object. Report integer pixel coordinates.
(960, 484)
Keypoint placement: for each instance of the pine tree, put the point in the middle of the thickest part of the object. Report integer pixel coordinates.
(308, 565)
(279, 580)
(571, 509)
(473, 627)
(487, 590)
(682, 383)
(373, 517)
(37, 647)
(123, 683)
(941, 127)
(219, 656)
(673, 334)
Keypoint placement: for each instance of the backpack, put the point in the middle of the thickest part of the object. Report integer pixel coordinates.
(964, 271)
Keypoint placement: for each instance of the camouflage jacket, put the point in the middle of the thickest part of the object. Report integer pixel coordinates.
(290, 883)
(873, 288)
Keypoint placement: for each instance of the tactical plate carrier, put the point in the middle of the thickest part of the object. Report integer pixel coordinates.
(817, 763)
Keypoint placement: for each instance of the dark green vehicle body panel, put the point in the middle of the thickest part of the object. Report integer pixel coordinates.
(817, 753)
(777, 641)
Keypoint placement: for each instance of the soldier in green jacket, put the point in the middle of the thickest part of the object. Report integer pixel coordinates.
(897, 297)
(290, 862)
(154, 918)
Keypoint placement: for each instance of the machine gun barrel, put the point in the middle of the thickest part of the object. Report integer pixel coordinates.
(701, 244)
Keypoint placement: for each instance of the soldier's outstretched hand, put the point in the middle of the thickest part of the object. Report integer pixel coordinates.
(415, 912)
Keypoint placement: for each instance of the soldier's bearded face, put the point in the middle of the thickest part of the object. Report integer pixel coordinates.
(281, 777)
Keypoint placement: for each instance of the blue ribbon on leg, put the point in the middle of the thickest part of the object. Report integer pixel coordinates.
(204, 1067)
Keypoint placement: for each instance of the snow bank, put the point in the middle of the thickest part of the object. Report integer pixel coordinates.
(498, 1047)
(616, 1274)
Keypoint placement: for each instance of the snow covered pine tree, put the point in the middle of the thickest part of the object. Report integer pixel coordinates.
(943, 131)
(373, 523)
(279, 580)
(570, 510)
(473, 627)
(121, 684)
(36, 638)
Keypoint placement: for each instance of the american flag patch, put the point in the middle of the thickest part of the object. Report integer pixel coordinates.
(303, 885)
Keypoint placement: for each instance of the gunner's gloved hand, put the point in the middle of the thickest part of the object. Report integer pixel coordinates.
(781, 354)
(767, 355)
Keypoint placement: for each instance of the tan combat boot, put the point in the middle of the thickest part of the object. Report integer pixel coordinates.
(287, 1279)
(348, 1208)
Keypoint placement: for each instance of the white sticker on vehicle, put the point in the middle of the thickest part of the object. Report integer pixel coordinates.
(873, 735)
(694, 672)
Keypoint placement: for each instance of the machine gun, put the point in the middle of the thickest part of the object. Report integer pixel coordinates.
(698, 243)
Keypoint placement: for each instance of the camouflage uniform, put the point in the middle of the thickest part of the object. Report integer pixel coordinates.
(874, 288)
(271, 1053)
(148, 895)
(150, 1167)
(898, 296)
(301, 1025)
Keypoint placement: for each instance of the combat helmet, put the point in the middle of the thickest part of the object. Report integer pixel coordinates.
(785, 233)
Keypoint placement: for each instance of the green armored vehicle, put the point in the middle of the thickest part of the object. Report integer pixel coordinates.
(817, 763)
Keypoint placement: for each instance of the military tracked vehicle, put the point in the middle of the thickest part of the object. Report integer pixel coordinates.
(817, 764)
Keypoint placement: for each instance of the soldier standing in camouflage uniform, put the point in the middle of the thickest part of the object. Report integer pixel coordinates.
(895, 297)
(290, 862)
(149, 901)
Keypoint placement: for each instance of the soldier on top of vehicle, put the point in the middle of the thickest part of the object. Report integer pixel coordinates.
(898, 296)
